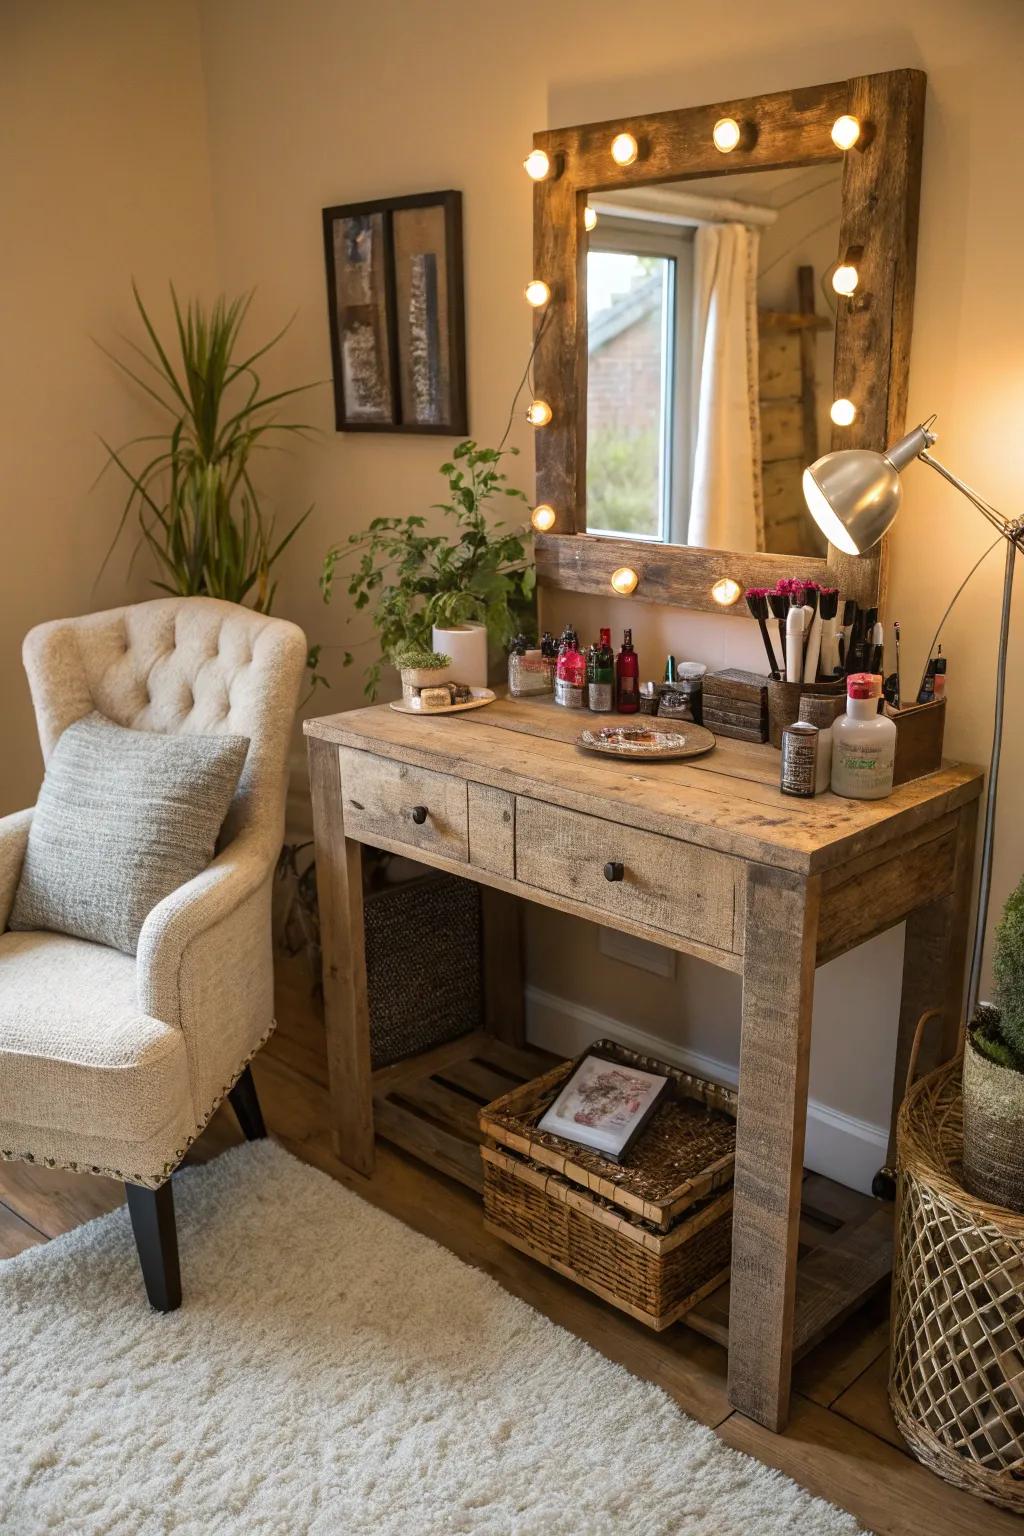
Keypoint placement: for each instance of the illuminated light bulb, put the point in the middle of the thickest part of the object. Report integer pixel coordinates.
(538, 413)
(845, 279)
(725, 591)
(845, 131)
(625, 149)
(726, 134)
(843, 412)
(543, 517)
(624, 580)
(589, 219)
(537, 293)
(537, 165)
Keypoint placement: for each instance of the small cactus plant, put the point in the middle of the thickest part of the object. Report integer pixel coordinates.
(998, 1033)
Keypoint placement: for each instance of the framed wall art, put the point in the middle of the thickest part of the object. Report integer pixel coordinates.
(396, 310)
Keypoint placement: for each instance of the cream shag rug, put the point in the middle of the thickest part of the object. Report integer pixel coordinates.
(332, 1371)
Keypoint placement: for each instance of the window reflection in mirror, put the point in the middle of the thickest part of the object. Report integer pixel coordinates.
(710, 336)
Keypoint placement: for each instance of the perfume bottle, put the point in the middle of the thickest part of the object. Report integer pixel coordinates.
(549, 656)
(571, 672)
(601, 675)
(527, 670)
(627, 677)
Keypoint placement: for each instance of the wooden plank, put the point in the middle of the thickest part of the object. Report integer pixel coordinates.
(16, 1233)
(427, 1063)
(866, 1402)
(869, 902)
(420, 806)
(778, 991)
(504, 997)
(806, 297)
(782, 430)
(53, 1200)
(492, 829)
(339, 886)
(441, 1148)
(839, 1277)
(890, 1493)
(482, 1081)
(826, 1371)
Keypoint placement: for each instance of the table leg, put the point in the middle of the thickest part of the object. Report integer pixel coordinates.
(339, 884)
(778, 991)
(504, 1003)
(934, 965)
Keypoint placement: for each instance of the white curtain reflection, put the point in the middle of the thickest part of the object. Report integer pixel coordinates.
(726, 508)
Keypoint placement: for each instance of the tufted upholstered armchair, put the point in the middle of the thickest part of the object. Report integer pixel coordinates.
(112, 1063)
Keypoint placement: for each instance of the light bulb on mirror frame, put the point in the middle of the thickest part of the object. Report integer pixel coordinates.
(625, 149)
(537, 164)
(846, 131)
(726, 591)
(845, 279)
(589, 219)
(538, 413)
(726, 134)
(543, 517)
(843, 412)
(624, 580)
(537, 293)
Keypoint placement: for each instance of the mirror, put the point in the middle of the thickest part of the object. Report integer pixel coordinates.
(710, 322)
(701, 503)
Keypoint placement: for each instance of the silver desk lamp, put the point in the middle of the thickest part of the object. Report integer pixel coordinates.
(854, 496)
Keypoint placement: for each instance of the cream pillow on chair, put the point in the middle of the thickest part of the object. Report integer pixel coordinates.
(123, 819)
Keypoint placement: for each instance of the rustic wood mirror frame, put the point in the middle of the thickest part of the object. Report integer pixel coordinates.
(880, 195)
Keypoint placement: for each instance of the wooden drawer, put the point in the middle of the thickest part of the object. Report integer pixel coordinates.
(665, 884)
(397, 803)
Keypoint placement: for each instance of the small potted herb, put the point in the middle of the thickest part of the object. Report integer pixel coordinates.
(420, 668)
(994, 1073)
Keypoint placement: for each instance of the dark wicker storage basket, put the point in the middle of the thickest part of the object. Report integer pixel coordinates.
(652, 1236)
(422, 965)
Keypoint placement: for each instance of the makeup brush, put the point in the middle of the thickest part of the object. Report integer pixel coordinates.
(778, 602)
(828, 608)
(896, 630)
(757, 602)
(849, 618)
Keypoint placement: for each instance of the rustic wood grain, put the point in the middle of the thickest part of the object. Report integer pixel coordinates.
(778, 991)
(881, 192)
(871, 900)
(504, 998)
(380, 795)
(339, 887)
(492, 829)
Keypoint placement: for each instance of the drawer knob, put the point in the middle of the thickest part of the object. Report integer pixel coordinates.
(419, 814)
(613, 871)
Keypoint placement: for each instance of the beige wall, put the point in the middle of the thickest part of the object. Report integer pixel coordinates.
(104, 176)
(325, 101)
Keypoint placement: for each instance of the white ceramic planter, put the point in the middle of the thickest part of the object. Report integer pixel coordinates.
(426, 677)
(466, 644)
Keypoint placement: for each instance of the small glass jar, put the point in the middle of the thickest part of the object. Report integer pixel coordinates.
(530, 672)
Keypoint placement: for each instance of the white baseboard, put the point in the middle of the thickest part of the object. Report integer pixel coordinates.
(838, 1145)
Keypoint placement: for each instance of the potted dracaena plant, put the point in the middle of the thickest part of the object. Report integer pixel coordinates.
(191, 489)
(993, 1078)
(479, 573)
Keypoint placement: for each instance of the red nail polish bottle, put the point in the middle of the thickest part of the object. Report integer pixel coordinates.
(627, 677)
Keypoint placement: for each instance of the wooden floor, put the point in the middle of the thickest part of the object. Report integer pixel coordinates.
(841, 1441)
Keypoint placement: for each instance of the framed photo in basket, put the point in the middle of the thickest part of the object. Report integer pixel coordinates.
(605, 1105)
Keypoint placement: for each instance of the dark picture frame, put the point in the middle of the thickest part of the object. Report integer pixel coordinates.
(396, 313)
(555, 1121)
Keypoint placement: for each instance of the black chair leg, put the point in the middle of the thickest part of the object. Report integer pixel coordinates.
(156, 1238)
(246, 1106)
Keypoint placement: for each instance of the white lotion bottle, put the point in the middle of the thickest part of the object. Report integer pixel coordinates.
(863, 743)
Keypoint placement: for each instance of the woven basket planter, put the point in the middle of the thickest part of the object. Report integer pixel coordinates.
(957, 1378)
(993, 1130)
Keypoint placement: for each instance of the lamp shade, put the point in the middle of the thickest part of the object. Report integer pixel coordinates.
(855, 494)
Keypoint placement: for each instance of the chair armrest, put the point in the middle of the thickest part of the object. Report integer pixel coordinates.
(189, 913)
(13, 842)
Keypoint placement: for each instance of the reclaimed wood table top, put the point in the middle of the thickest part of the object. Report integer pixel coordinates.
(728, 800)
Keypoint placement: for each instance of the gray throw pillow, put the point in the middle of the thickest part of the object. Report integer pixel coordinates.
(123, 818)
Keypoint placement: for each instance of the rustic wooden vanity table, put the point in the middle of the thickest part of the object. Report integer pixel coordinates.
(707, 858)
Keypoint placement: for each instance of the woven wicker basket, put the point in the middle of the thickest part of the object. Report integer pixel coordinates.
(957, 1377)
(652, 1236)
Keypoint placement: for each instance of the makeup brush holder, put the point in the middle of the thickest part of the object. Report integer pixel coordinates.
(784, 702)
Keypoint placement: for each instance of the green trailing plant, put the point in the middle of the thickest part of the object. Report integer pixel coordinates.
(477, 570)
(414, 658)
(191, 489)
(998, 1032)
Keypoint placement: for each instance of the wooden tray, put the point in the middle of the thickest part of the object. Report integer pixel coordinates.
(481, 696)
(685, 1154)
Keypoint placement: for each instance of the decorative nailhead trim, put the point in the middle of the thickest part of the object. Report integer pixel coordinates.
(147, 1180)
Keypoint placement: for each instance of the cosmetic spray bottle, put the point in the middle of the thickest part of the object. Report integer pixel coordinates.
(571, 672)
(863, 743)
(601, 675)
(627, 677)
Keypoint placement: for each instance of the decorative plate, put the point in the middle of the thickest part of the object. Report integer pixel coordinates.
(481, 696)
(648, 742)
